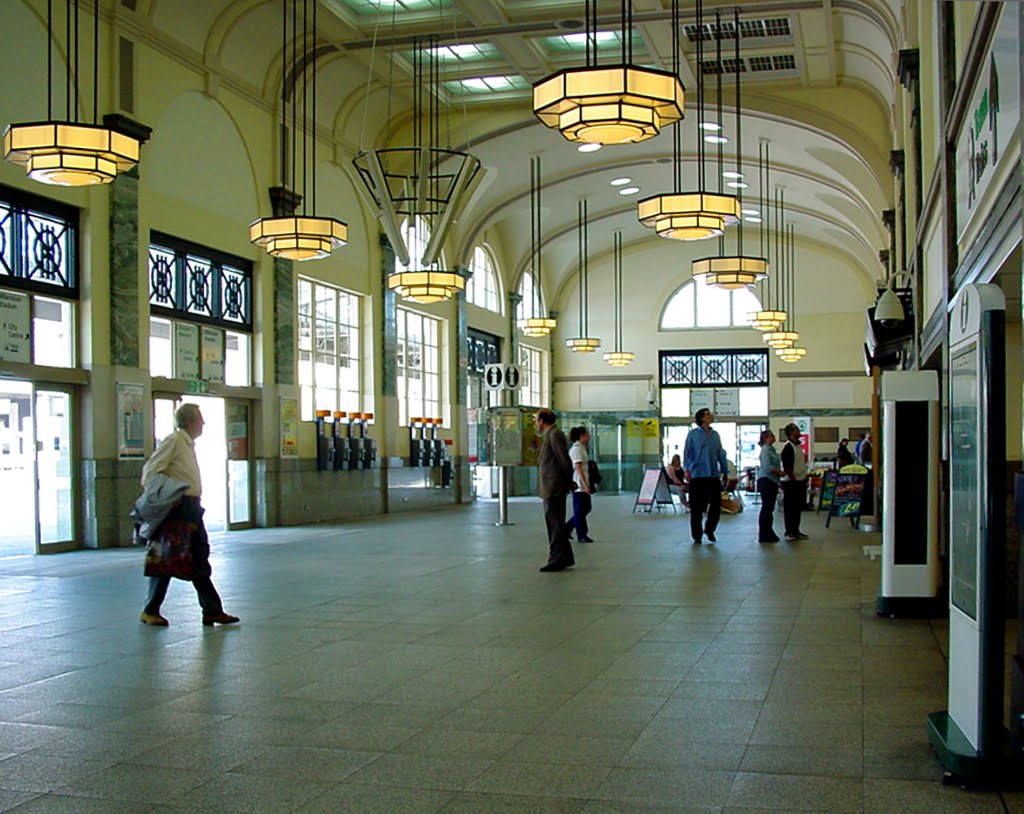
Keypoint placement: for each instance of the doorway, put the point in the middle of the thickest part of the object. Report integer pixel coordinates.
(36, 469)
(223, 455)
(740, 442)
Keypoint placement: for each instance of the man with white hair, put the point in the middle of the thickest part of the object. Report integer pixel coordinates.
(176, 458)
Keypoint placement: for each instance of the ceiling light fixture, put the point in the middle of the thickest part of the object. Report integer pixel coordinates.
(753, 212)
(618, 357)
(536, 324)
(421, 183)
(67, 152)
(609, 104)
(793, 353)
(583, 343)
(732, 174)
(689, 215)
(618, 182)
(716, 140)
(714, 126)
(736, 271)
(589, 148)
(289, 235)
(629, 190)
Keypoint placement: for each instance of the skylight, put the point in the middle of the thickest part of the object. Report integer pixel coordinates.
(608, 43)
(487, 84)
(367, 7)
(465, 52)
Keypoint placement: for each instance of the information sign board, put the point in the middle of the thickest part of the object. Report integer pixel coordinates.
(506, 432)
(186, 350)
(15, 327)
(727, 401)
(653, 490)
(213, 354)
(847, 497)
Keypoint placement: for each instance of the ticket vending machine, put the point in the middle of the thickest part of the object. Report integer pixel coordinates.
(341, 459)
(417, 444)
(970, 737)
(324, 440)
(367, 446)
(911, 570)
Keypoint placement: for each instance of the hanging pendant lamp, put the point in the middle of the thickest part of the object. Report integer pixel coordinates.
(785, 336)
(584, 343)
(793, 353)
(736, 271)
(618, 357)
(68, 152)
(694, 215)
(536, 324)
(609, 104)
(294, 236)
(426, 182)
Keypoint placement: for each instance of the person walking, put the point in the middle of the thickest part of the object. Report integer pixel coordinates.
(582, 503)
(175, 457)
(554, 482)
(794, 487)
(704, 467)
(866, 451)
(843, 455)
(769, 473)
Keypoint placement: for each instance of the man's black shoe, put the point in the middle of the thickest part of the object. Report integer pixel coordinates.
(711, 536)
(553, 566)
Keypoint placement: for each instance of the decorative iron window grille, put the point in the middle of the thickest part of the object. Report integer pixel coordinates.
(483, 350)
(192, 282)
(38, 244)
(714, 368)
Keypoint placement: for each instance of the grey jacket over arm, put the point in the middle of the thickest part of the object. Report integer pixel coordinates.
(151, 509)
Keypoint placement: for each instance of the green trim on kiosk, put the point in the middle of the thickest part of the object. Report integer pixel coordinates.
(962, 762)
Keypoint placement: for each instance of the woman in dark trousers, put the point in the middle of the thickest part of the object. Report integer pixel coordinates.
(581, 501)
(769, 473)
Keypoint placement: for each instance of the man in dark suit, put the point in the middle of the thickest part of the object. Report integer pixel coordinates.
(554, 482)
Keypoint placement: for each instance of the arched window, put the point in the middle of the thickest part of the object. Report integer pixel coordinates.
(483, 288)
(528, 291)
(416, 235)
(699, 305)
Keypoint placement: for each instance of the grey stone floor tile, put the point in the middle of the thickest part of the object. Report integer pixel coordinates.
(798, 792)
(62, 804)
(569, 750)
(619, 807)
(12, 798)
(541, 779)
(137, 783)
(302, 763)
(423, 772)
(363, 737)
(681, 787)
(249, 794)
(916, 797)
(42, 770)
(359, 798)
(797, 760)
(475, 803)
(456, 743)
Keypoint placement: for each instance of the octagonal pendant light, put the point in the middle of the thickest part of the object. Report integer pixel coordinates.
(735, 271)
(698, 214)
(68, 152)
(792, 353)
(536, 324)
(584, 343)
(609, 104)
(618, 357)
(291, 235)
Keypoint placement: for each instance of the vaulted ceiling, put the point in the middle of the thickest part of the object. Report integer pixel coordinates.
(818, 83)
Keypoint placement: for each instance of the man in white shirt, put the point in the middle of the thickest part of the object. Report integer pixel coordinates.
(581, 501)
(794, 485)
(175, 457)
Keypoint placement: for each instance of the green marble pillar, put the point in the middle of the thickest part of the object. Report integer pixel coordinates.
(515, 299)
(389, 322)
(460, 415)
(124, 269)
(284, 322)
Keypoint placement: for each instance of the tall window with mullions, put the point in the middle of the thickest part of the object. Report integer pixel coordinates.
(329, 358)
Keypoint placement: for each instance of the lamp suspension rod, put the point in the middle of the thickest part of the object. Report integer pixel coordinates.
(96, 62)
(579, 252)
(49, 60)
(701, 173)
(677, 134)
(316, 3)
(77, 85)
(792, 269)
(305, 119)
(586, 270)
(295, 102)
(719, 110)
(67, 73)
(739, 127)
(284, 94)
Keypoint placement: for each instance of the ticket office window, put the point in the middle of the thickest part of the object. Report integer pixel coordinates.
(200, 313)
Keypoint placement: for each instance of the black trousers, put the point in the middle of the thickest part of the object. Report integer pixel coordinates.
(209, 599)
(581, 506)
(705, 496)
(794, 499)
(769, 491)
(560, 550)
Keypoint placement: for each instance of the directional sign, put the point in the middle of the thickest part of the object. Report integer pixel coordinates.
(512, 377)
(494, 376)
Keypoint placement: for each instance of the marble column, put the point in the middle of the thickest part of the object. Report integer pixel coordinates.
(388, 420)
(460, 416)
(284, 322)
(124, 269)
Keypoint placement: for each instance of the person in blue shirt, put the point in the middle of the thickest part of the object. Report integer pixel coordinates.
(704, 467)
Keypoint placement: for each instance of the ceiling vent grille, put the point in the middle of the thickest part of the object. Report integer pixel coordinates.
(749, 29)
(778, 63)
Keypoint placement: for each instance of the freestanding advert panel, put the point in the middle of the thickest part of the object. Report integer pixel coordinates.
(970, 737)
(910, 466)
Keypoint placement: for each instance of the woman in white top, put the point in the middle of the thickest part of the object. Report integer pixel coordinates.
(581, 502)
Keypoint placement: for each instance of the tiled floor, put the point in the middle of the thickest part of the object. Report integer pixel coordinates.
(420, 664)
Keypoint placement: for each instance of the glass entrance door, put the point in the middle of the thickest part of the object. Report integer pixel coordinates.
(223, 455)
(36, 469)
